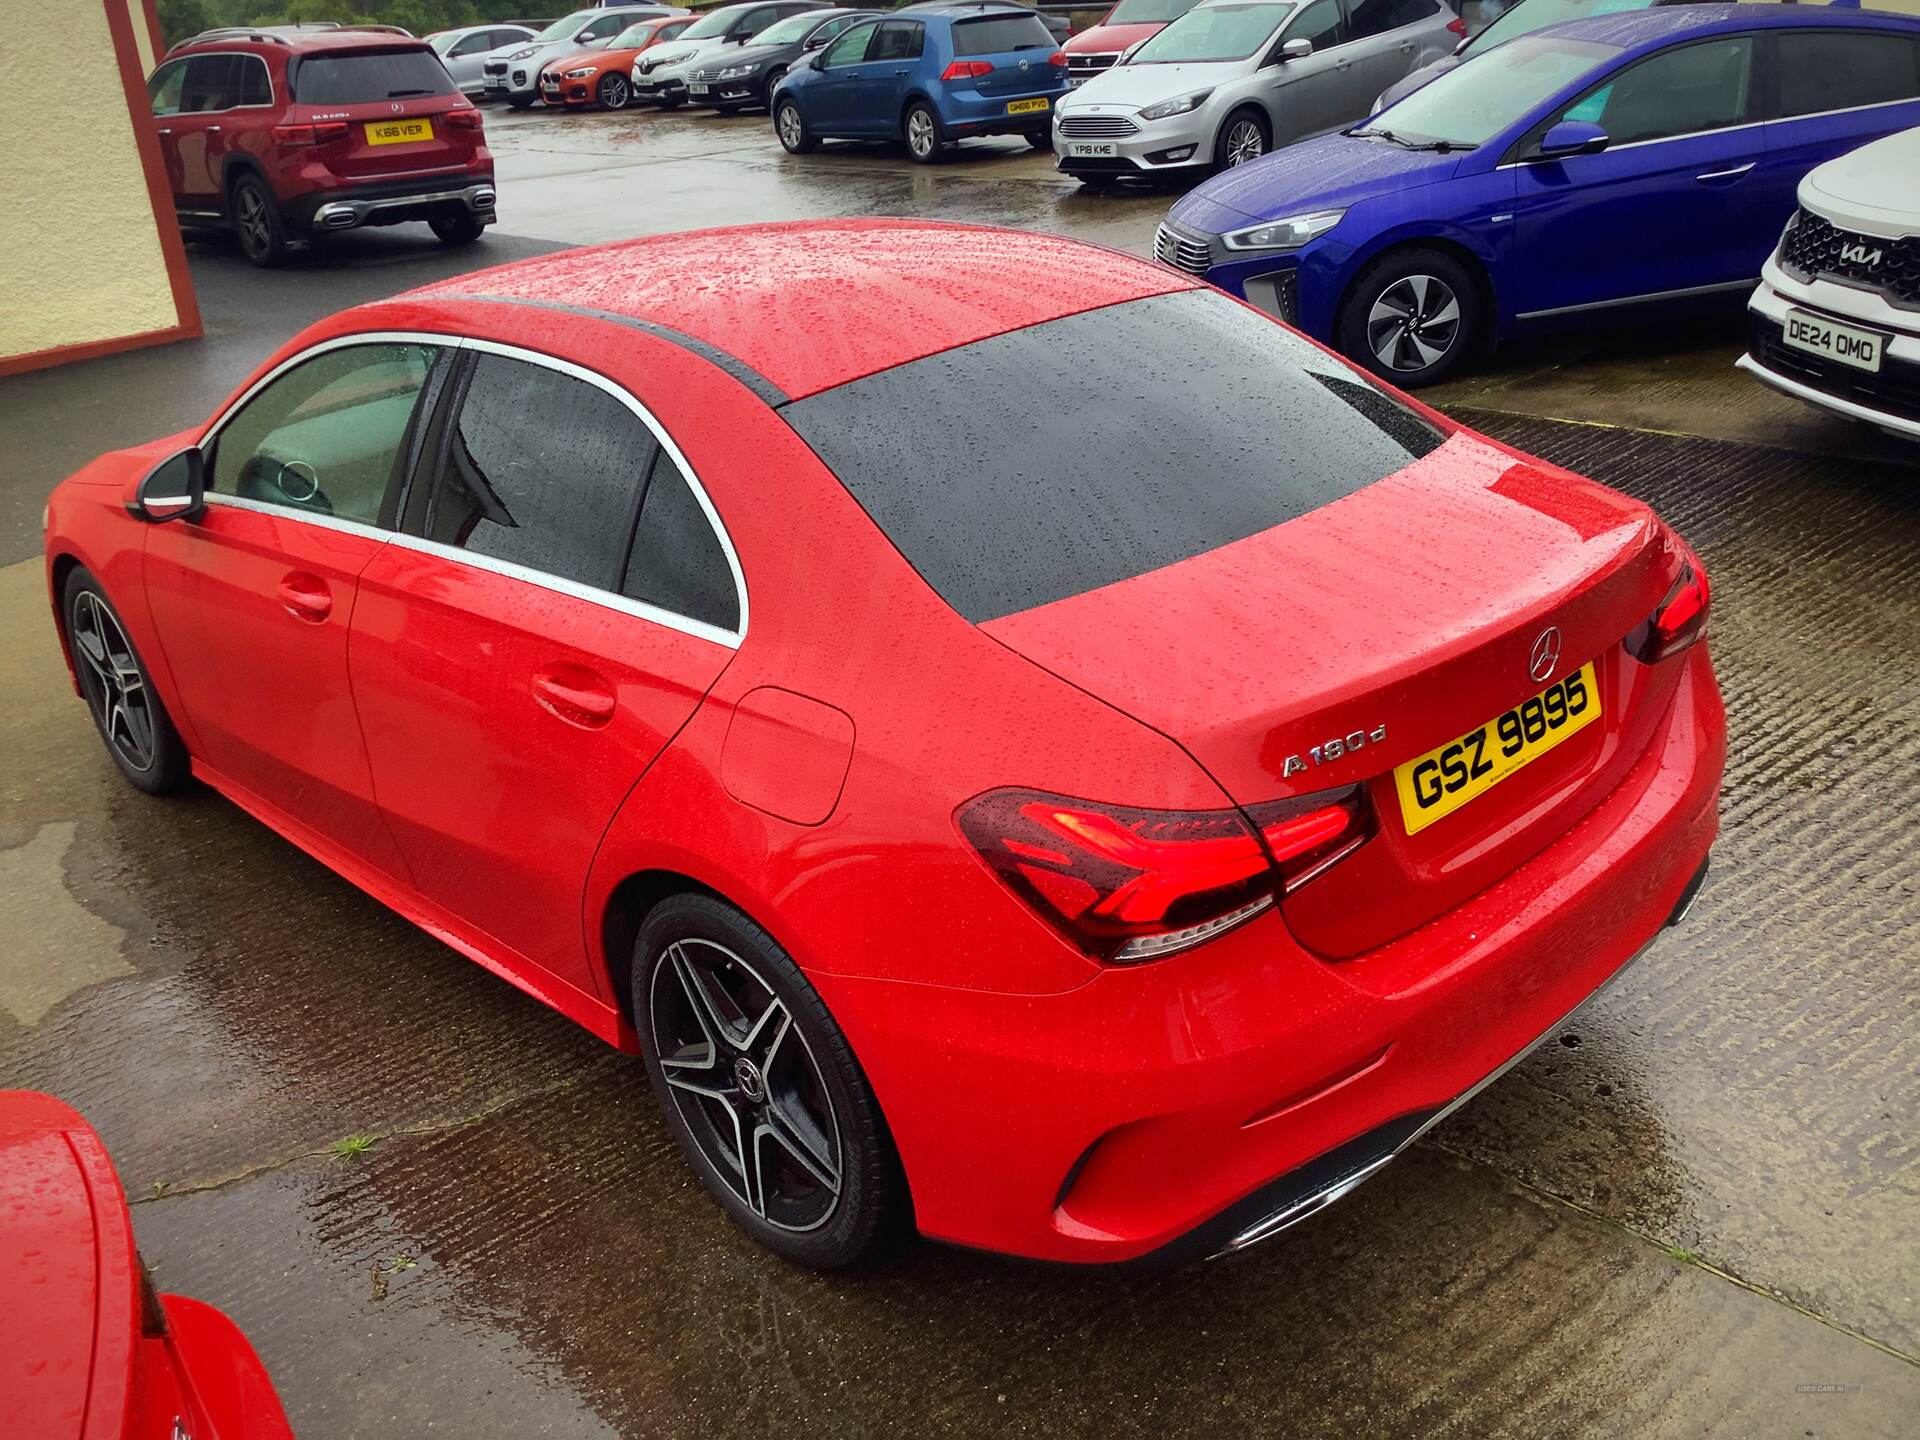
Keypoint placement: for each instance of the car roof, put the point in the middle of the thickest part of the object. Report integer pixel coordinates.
(810, 305)
(1633, 28)
(300, 42)
(965, 9)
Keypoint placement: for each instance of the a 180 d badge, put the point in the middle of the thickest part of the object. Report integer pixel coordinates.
(1333, 749)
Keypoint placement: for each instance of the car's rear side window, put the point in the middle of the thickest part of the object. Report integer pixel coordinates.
(364, 76)
(542, 470)
(1053, 460)
(1001, 34)
(1837, 70)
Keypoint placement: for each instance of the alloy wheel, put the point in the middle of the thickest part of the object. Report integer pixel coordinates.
(920, 134)
(1414, 323)
(613, 92)
(1244, 142)
(251, 212)
(746, 1084)
(790, 127)
(116, 690)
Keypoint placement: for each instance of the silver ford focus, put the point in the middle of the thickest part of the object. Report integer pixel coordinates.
(1233, 79)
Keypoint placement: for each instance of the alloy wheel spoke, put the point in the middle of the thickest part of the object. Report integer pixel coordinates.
(696, 1002)
(788, 1115)
(1447, 314)
(826, 1179)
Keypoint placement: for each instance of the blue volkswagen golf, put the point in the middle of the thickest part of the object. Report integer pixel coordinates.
(927, 75)
(1619, 167)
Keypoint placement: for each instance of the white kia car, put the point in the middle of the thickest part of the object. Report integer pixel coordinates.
(1232, 79)
(1836, 320)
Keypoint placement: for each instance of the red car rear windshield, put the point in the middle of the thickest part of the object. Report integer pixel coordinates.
(1053, 460)
(362, 76)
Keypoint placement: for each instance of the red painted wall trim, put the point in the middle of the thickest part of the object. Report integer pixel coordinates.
(112, 345)
(159, 192)
(153, 31)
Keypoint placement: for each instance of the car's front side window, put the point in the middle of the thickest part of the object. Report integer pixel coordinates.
(1320, 22)
(165, 87)
(850, 48)
(542, 470)
(329, 436)
(1378, 17)
(1684, 91)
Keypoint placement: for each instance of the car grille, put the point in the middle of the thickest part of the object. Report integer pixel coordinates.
(1816, 246)
(496, 67)
(1090, 64)
(1894, 391)
(1097, 127)
(1192, 256)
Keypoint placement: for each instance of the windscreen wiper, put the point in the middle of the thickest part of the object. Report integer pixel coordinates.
(1443, 147)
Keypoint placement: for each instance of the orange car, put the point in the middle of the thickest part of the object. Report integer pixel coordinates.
(603, 76)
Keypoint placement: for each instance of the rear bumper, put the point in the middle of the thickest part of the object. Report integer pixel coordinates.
(962, 114)
(392, 203)
(1181, 1108)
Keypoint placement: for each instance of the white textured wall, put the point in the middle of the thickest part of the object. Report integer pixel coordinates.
(80, 256)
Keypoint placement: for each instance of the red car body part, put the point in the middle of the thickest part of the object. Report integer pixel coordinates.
(955, 783)
(88, 1348)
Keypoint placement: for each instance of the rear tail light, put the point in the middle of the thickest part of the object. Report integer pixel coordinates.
(1681, 619)
(1059, 57)
(310, 134)
(966, 70)
(1457, 26)
(1127, 885)
(463, 119)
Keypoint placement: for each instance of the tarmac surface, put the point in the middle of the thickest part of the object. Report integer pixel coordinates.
(1695, 1210)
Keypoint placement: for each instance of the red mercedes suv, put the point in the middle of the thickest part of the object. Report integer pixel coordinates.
(1051, 756)
(282, 133)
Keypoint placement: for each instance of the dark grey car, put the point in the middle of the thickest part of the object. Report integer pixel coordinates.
(735, 79)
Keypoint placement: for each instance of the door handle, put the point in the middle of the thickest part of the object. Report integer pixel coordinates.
(1734, 173)
(213, 129)
(576, 695)
(902, 72)
(165, 131)
(306, 597)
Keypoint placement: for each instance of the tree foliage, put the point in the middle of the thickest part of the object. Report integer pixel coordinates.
(181, 18)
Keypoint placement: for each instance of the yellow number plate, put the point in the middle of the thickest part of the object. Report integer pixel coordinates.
(398, 132)
(1441, 781)
(1021, 107)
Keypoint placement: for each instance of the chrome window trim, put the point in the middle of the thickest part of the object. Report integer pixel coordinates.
(307, 517)
(272, 97)
(610, 599)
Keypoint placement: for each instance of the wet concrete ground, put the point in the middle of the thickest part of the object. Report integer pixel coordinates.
(1694, 1211)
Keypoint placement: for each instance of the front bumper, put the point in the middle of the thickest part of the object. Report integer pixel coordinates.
(395, 203)
(656, 88)
(520, 79)
(1182, 142)
(1202, 1102)
(1889, 399)
(742, 90)
(568, 92)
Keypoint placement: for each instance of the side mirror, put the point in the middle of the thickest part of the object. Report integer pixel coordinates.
(1572, 137)
(175, 489)
(1295, 50)
(819, 62)
(814, 42)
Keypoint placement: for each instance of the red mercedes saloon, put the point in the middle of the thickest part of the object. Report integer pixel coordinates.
(1026, 746)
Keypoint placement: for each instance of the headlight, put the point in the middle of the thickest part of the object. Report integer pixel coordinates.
(581, 73)
(523, 54)
(734, 72)
(1175, 107)
(666, 60)
(1288, 234)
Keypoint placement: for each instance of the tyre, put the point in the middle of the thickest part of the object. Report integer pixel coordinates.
(1244, 137)
(920, 128)
(462, 227)
(728, 109)
(614, 91)
(760, 1087)
(1413, 317)
(126, 710)
(671, 102)
(1040, 139)
(774, 77)
(791, 127)
(520, 102)
(257, 221)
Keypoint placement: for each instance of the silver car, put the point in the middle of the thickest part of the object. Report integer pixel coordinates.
(513, 73)
(1233, 79)
(463, 50)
